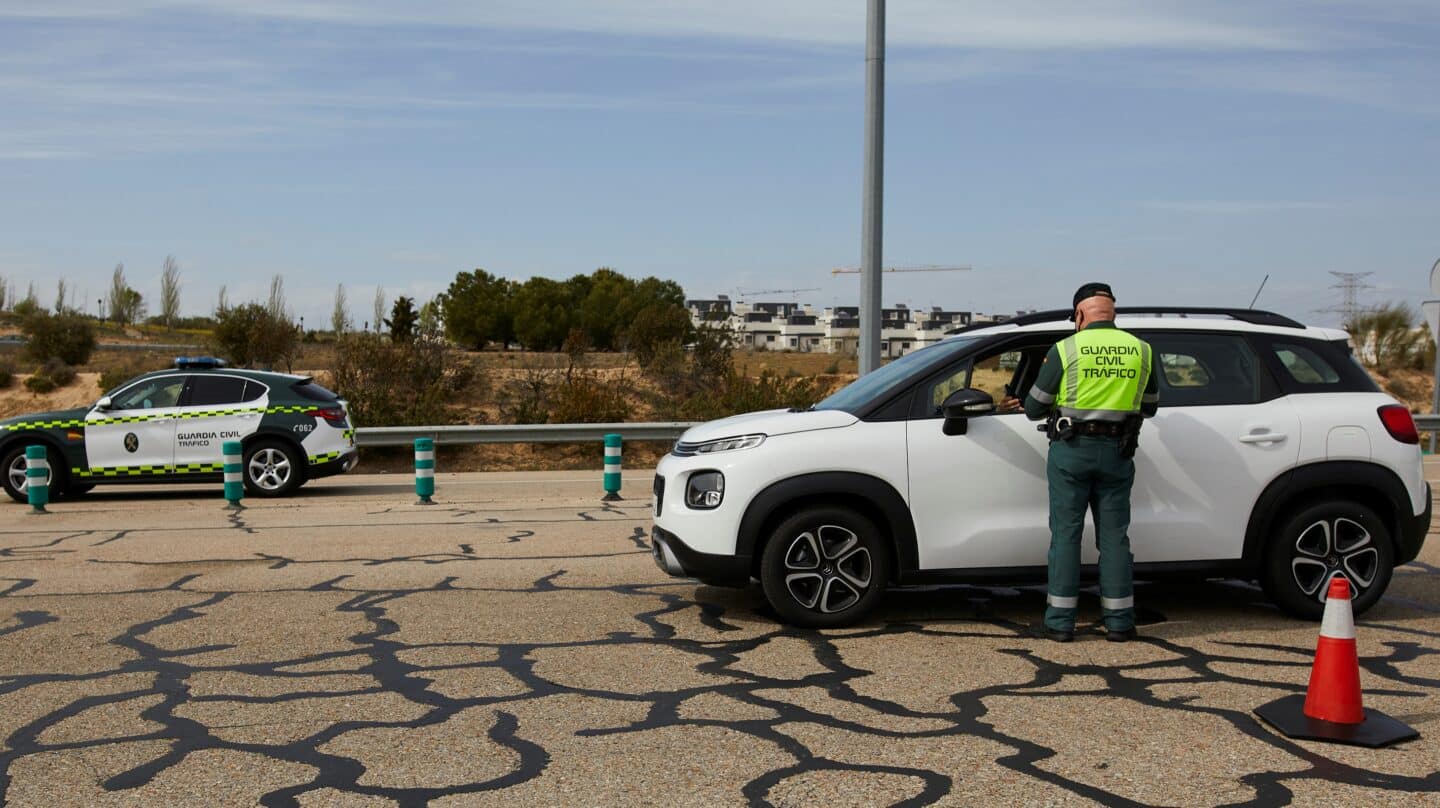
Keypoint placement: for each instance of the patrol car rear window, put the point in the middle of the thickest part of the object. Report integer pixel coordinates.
(314, 392)
(208, 391)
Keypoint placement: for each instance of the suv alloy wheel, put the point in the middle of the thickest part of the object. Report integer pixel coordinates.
(825, 567)
(272, 469)
(1324, 540)
(15, 483)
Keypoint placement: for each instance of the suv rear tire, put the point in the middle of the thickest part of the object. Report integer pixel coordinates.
(825, 567)
(1321, 541)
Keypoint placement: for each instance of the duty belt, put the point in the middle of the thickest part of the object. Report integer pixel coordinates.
(1107, 429)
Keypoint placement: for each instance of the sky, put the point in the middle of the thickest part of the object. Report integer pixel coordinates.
(1180, 150)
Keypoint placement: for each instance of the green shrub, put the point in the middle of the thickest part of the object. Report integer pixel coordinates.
(67, 337)
(59, 372)
(400, 384)
(39, 384)
(7, 377)
(250, 335)
(1386, 338)
(50, 376)
(737, 393)
(113, 376)
(570, 395)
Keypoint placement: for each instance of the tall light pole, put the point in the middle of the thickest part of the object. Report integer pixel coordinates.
(1432, 316)
(872, 215)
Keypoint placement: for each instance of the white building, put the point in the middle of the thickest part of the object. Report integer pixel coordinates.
(800, 327)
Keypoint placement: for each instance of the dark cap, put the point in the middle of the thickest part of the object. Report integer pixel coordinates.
(1090, 290)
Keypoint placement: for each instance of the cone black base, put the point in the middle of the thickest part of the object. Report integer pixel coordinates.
(1378, 729)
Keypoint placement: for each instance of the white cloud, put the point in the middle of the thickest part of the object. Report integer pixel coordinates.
(1021, 24)
(1231, 207)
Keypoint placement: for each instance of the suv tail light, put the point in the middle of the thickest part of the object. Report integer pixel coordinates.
(339, 415)
(1398, 423)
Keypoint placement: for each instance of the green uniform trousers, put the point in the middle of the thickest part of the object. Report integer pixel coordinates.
(1088, 472)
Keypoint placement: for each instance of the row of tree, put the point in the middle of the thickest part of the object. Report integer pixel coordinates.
(604, 310)
(607, 309)
(122, 304)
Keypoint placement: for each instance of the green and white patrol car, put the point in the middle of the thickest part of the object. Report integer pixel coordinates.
(171, 426)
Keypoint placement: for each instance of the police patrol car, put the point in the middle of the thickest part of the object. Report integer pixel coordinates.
(1273, 457)
(171, 425)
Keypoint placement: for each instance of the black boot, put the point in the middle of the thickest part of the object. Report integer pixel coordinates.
(1040, 631)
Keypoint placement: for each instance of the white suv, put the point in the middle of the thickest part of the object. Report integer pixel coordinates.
(1274, 457)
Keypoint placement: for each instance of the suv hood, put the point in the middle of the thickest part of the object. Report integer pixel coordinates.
(58, 415)
(768, 422)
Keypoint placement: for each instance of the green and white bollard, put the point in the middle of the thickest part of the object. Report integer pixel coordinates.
(612, 468)
(234, 474)
(37, 478)
(424, 470)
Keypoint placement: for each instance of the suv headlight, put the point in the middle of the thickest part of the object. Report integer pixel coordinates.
(705, 490)
(721, 445)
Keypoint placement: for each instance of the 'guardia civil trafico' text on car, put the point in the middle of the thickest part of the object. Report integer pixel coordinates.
(171, 426)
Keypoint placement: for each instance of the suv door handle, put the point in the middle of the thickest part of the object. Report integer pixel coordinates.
(249, 415)
(1263, 437)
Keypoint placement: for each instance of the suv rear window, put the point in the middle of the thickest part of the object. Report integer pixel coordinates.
(1317, 367)
(314, 392)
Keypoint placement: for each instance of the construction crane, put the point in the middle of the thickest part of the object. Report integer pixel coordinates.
(917, 268)
(749, 292)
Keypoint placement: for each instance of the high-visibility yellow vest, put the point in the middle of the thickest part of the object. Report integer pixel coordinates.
(1104, 374)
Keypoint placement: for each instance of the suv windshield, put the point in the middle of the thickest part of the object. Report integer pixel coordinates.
(885, 379)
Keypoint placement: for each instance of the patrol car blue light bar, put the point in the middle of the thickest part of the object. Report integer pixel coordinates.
(198, 362)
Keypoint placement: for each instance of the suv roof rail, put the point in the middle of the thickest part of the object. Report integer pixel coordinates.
(1253, 316)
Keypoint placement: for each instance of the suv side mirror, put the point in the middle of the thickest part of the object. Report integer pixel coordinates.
(103, 403)
(962, 405)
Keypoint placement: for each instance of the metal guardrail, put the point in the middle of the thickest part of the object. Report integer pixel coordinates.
(1427, 423)
(516, 433)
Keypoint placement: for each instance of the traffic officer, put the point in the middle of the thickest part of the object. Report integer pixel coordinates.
(1095, 386)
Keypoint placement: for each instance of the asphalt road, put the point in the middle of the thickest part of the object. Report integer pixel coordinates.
(515, 645)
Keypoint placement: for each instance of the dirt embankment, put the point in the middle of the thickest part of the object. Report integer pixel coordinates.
(17, 400)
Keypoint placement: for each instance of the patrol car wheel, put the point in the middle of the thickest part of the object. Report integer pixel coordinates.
(14, 482)
(825, 567)
(272, 469)
(1320, 542)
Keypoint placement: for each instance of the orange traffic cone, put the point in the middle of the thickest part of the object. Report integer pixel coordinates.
(1331, 709)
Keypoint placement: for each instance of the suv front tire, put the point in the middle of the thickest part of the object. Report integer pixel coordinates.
(15, 483)
(825, 567)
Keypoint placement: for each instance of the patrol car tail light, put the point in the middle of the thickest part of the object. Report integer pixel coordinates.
(1398, 423)
(327, 414)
